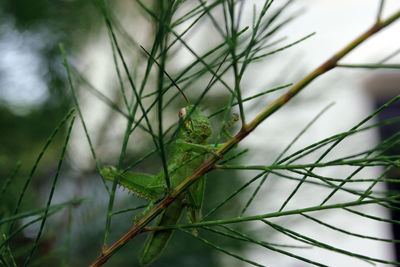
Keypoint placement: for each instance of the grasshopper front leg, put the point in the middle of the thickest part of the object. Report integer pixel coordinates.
(202, 148)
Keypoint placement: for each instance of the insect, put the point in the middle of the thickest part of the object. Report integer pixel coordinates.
(188, 152)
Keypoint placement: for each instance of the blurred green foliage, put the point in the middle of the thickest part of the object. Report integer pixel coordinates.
(53, 21)
(23, 135)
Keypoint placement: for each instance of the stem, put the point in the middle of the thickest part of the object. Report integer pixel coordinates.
(269, 215)
(370, 66)
(212, 160)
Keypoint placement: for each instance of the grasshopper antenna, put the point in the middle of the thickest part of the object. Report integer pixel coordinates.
(169, 77)
(220, 65)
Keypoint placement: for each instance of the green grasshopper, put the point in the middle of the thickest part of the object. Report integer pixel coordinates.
(187, 154)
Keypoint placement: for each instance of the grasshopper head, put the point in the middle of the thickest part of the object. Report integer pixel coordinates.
(197, 128)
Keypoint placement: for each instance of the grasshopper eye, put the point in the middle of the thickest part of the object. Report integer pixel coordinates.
(188, 123)
(182, 113)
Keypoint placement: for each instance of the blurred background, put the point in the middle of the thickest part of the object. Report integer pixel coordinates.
(35, 96)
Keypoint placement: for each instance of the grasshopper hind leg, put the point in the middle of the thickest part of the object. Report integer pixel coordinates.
(159, 239)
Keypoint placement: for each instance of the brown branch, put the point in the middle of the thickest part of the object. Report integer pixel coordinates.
(244, 131)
